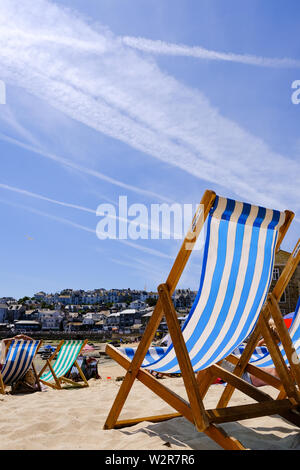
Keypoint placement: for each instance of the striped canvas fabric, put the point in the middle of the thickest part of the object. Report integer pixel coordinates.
(66, 357)
(153, 354)
(263, 359)
(236, 274)
(18, 360)
(258, 353)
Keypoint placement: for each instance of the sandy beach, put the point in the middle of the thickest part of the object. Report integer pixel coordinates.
(72, 419)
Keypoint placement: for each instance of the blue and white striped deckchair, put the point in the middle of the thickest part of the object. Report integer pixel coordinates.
(67, 352)
(236, 274)
(261, 356)
(18, 360)
(241, 240)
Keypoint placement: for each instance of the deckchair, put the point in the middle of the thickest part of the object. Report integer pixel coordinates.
(238, 259)
(261, 357)
(18, 359)
(284, 356)
(67, 353)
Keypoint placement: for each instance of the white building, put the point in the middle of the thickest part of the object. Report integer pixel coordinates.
(113, 319)
(138, 305)
(50, 319)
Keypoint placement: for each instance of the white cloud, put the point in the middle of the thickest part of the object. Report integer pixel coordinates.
(145, 224)
(63, 220)
(166, 48)
(126, 96)
(82, 169)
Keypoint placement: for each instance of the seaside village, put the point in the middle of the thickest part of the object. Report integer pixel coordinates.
(113, 313)
(106, 313)
(109, 314)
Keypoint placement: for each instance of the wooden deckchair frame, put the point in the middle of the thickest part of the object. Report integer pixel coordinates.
(32, 366)
(205, 420)
(289, 380)
(58, 380)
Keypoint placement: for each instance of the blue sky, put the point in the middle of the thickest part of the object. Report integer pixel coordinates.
(156, 101)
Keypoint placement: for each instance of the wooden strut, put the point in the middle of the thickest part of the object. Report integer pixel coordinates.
(173, 278)
(175, 401)
(270, 309)
(188, 375)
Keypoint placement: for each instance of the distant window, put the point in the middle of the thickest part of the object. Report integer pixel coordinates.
(276, 274)
(283, 298)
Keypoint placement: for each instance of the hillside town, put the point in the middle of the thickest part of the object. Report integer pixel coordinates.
(114, 311)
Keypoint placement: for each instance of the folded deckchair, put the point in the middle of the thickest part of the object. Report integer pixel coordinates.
(67, 352)
(241, 241)
(18, 359)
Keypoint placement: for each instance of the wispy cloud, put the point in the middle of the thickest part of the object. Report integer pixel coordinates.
(81, 169)
(166, 48)
(62, 220)
(126, 96)
(141, 225)
(24, 192)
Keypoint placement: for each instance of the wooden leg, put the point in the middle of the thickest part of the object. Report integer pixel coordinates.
(81, 373)
(240, 366)
(286, 341)
(278, 290)
(2, 386)
(51, 358)
(281, 367)
(220, 437)
(188, 375)
(57, 381)
(36, 377)
(204, 380)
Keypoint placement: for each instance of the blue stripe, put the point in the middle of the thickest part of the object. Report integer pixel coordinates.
(217, 276)
(274, 221)
(229, 210)
(12, 360)
(229, 292)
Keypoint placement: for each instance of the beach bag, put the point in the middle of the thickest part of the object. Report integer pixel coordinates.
(27, 384)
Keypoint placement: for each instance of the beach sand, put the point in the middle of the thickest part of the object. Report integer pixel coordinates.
(74, 418)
